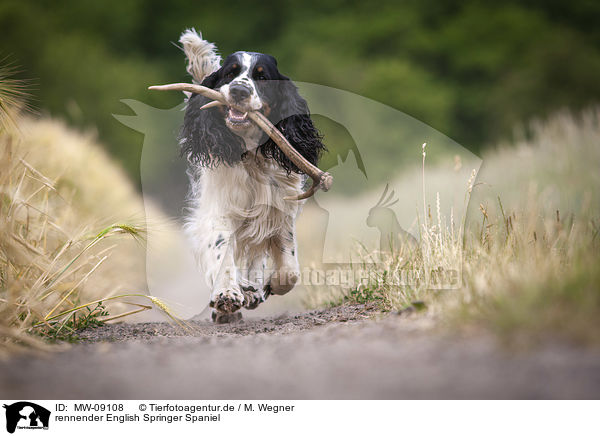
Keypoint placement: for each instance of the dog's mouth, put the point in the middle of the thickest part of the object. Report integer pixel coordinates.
(236, 119)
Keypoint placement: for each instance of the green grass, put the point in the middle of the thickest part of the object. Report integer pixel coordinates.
(79, 320)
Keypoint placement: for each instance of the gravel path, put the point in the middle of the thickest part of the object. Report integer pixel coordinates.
(344, 352)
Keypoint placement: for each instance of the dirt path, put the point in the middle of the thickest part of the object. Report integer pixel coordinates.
(347, 352)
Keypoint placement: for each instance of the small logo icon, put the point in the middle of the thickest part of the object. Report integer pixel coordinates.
(26, 415)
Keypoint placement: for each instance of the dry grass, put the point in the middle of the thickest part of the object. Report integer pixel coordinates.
(12, 98)
(71, 233)
(530, 250)
(55, 253)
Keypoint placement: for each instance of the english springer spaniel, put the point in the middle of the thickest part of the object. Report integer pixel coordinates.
(242, 228)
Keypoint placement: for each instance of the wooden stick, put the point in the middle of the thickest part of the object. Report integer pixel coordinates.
(321, 180)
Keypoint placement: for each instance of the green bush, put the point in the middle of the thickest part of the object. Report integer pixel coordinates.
(470, 69)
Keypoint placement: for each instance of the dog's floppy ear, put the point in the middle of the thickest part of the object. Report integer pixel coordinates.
(211, 80)
(292, 118)
(204, 138)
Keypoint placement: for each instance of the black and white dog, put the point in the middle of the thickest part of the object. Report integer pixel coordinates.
(243, 231)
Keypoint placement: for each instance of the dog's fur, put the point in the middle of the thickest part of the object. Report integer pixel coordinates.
(242, 229)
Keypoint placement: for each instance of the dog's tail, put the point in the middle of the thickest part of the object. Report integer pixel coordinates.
(202, 56)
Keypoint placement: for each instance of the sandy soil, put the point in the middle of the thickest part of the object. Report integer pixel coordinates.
(344, 352)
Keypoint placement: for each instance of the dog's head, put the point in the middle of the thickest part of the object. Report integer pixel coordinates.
(250, 82)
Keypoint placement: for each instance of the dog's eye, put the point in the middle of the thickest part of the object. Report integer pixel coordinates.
(232, 71)
(259, 73)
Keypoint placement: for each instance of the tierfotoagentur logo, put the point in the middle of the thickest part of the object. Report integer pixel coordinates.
(392, 218)
(25, 415)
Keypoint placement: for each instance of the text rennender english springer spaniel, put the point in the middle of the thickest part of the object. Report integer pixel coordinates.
(242, 228)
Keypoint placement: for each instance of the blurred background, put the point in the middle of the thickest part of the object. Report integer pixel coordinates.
(473, 70)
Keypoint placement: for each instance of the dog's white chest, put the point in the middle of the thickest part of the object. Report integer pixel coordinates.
(250, 196)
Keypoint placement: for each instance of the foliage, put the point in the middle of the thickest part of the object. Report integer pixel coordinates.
(470, 69)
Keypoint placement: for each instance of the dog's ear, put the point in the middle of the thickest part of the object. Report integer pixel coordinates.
(204, 138)
(291, 116)
(211, 80)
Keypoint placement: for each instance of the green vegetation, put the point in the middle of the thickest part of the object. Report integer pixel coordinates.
(470, 69)
(67, 330)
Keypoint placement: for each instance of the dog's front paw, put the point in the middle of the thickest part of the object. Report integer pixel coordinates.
(252, 297)
(227, 300)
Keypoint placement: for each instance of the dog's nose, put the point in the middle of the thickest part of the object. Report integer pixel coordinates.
(239, 92)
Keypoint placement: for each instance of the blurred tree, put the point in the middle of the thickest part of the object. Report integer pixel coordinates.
(472, 69)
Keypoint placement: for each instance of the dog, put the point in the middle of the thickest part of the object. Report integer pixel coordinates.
(241, 227)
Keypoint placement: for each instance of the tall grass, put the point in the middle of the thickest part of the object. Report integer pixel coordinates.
(12, 98)
(532, 248)
(527, 251)
(71, 233)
